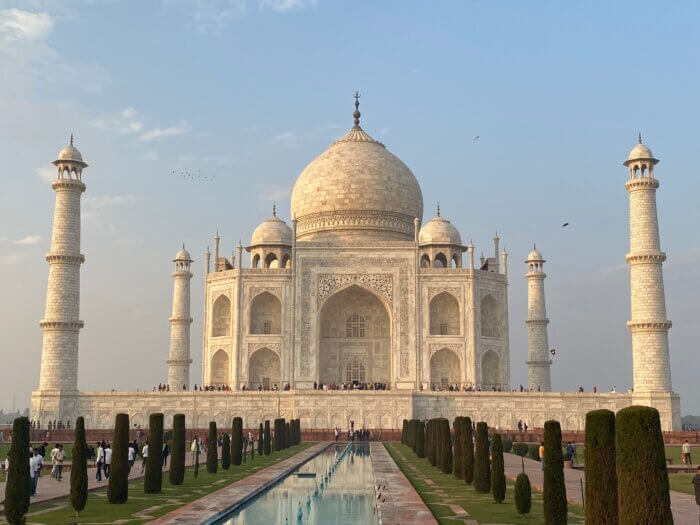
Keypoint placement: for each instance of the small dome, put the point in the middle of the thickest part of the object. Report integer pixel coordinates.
(640, 152)
(534, 256)
(272, 231)
(183, 255)
(70, 152)
(439, 230)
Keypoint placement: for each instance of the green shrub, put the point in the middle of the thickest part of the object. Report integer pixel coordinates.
(237, 440)
(287, 435)
(404, 432)
(260, 440)
(438, 443)
(420, 440)
(554, 492)
(482, 466)
(601, 474)
(533, 452)
(153, 482)
(521, 449)
(196, 464)
(430, 436)
(225, 452)
(118, 486)
(498, 474)
(643, 490)
(523, 494)
(458, 454)
(468, 451)
(266, 436)
(78, 469)
(178, 451)
(17, 486)
(507, 445)
(446, 438)
(212, 449)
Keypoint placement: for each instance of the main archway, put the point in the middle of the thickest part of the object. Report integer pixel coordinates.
(354, 338)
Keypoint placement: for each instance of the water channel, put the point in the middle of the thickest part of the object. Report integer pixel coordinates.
(340, 493)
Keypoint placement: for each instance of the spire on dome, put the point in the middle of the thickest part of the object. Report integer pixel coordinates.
(357, 113)
(639, 137)
(274, 209)
(71, 139)
(438, 209)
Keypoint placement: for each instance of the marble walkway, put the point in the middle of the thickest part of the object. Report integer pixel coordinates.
(216, 504)
(685, 511)
(399, 503)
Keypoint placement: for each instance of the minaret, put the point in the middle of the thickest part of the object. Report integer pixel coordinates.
(648, 324)
(61, 323)
(538, 362)
(179, 359)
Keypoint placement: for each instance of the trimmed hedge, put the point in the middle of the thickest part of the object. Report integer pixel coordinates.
(520, 449)
(643, 490)
(446, 444)
(482, 467)
(17, 486)
(237, 440)
(507, 445)
(420, 440)
(287, 435)
(533, 452)
(153, 482)
(498, 474)
(458, 455)
(404, 432)
(523, 494)
(266, 436)
(225, 451)
(212, 450)
(260, 440)
(601, 474)
(554, 492)
(468, 451)
(118, 486)
(177, 456)
(430, 442)
(78, 469)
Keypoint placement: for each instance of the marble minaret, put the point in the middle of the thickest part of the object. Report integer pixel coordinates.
(61, 323)
(648, 324)
(538, 361)
(179, 358)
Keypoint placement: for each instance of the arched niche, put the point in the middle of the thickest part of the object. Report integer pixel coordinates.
(264, 370)
(425, 261)
(219, 368)
(445, 368)
(265, 314)
(440, 261)
(221, 317)
(490, 370)
(444, 315)
(271, 261)
(490, 317)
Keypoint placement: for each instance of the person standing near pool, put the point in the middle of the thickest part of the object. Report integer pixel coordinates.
(685, 454)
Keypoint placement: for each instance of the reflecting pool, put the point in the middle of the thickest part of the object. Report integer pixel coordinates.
(341, 493)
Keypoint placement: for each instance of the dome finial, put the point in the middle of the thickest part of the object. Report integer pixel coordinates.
(357, 113)
(438, 209)
(639, 137)
(274, 209)
(71, 139)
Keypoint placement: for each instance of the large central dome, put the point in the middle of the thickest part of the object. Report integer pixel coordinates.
(356, 189)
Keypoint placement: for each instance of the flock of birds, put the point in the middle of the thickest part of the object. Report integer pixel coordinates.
(195, 176)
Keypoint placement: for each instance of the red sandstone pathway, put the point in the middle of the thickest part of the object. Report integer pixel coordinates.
(685, 511)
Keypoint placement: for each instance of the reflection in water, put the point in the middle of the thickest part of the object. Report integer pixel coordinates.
(342, 493)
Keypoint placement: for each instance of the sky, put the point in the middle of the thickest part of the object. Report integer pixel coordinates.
(247, 92)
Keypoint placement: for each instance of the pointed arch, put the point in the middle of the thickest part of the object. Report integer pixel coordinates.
(425, 261)
(445, 368)
(490, 370)
(271, 261)
(256, 261)
(221, 317)
(218, 371)
(490, 317)
(440, 261)
(265, 314)
(264, 370)
(444, 315)
(286, 261)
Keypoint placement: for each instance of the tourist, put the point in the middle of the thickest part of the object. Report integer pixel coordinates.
(131, 457)
(108, 460)
(144, 455)
(520, 424)
(336, 434)
(99, 460)
(541, 451)
(6, 465)
(32, 473)
(685, 454)
(166, 451)
(57, 457)
(570, 451)
(194, 448)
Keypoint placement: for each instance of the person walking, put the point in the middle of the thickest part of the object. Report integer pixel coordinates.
(144, 455)
(541, 452)
(131, 456)
(99, 460)
(194, 448)
(166, 451)
(685, 454)
(32, 473)
(108, 460)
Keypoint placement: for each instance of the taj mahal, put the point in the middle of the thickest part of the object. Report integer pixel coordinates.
(356, 309)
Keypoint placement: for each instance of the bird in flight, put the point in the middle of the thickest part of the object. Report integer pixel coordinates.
(553, 351)
(565, 225)
(475, 138)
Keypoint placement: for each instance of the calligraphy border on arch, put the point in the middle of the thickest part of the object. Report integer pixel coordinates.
(308, 263)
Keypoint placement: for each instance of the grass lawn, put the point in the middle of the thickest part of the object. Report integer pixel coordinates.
(480, 507)
(141, 508)
(67, 449)
(681, 483)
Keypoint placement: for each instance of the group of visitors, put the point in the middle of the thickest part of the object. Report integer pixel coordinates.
(353, 385)
(522, 426)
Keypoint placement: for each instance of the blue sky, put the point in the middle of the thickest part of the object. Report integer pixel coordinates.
(250, 91)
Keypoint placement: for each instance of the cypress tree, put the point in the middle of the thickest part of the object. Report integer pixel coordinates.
(498, 474)
(420, 440)
(438, 442)
(78, 470)
(404, 431)
(601, 475)
(468, 451)
(446, 457)
(287, 435)
(554, 493)
(482, 470)
(458, 456)
(266, 436)
(212, 449)
(433, 442)
(118, 488)
(196, 464)
(523, 494)
(225, 452)
(153, 481)
(643, 490)
(277, 443)
(177, 456)
(237, 441)
(261, 440)
(17, 486)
